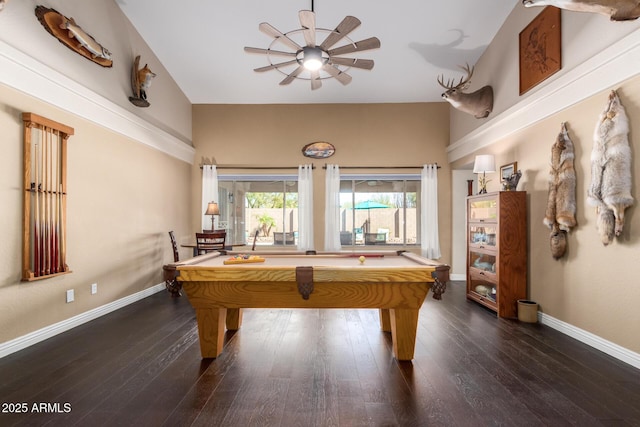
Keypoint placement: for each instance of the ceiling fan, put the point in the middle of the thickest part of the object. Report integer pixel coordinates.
(310, 61)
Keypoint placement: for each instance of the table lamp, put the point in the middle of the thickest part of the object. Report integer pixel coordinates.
(212, 209)
(484, 163)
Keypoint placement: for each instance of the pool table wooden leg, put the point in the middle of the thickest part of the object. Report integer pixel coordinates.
(385, 320)
(234, 318)
(211, 323)
(404, 325)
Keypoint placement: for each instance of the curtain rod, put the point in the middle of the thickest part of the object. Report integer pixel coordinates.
(377, 167)
(254, 167)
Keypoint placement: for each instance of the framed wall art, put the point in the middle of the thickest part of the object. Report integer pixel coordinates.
(540, 49)
(507, 170)
(318, 150)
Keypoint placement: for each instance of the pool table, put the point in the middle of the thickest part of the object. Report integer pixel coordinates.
(396, 283)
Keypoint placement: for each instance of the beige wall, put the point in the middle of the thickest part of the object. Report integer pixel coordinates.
(363, 134)
(594, 287)
(123, 198)
(583, 36)
(170, 109)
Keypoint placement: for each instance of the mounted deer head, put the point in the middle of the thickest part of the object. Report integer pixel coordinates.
(478, 103)
(617, 10)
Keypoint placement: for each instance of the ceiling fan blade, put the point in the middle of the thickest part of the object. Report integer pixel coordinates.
(340, 76)
(273, 32)
(348, 24)
(365, 64)
(267, 51)
(273, 66)
(316, 83)
(366, 44)
(291, 77)
(308, 23)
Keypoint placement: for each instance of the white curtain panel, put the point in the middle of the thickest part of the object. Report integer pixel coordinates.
(209, 192)
(429, 237)
(332, 209)
(305, 207)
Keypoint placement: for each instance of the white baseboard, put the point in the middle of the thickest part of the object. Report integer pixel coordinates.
(613, 350)
(35, 337)
(458, 277)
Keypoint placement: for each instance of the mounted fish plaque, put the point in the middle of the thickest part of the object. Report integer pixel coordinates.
(318, 150)
(73, 36)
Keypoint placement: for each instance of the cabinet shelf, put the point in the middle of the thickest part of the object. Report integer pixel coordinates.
(497, 250)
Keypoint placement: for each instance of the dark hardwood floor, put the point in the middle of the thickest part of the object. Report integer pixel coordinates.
(141, 366)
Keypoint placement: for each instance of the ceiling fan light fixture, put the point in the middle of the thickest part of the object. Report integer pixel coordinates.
(312, 58)
(315, 62)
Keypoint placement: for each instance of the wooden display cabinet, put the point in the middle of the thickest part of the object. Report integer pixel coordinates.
(497, 250)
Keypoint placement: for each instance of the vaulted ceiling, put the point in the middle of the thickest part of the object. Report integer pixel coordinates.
(201, 44)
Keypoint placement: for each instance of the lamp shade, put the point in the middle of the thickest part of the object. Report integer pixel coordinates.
(212, 209)
(484, 163)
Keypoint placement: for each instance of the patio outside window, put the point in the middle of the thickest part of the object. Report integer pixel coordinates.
(379, 210)
(267, 205)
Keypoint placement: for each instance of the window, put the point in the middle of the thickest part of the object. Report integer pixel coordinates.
(267, 205)
(379, 210)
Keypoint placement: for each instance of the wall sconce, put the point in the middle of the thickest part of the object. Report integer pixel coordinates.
(213, 210)
(483, 164)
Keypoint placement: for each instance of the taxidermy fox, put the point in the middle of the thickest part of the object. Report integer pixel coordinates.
(610, 190)
(145, 75)
(140, 83)
(560, 215)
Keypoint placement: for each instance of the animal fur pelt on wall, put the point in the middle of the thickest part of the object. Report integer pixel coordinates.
(610, 190)
(560, 216)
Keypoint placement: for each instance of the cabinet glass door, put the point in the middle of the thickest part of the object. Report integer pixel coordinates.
(483, 286)
(482, 261)
(482, 236)
(481, 210)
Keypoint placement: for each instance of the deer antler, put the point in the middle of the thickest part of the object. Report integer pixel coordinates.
(464, 82)
(449, 85)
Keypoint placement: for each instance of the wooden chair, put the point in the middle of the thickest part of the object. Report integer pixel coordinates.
(174, 245)
(255, 240)
(170, 282)
(210, 241)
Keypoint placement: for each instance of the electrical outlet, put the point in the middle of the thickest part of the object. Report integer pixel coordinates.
(94, 288)
(70, 295)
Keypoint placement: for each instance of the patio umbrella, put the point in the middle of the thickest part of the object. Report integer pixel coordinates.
(368, 205)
